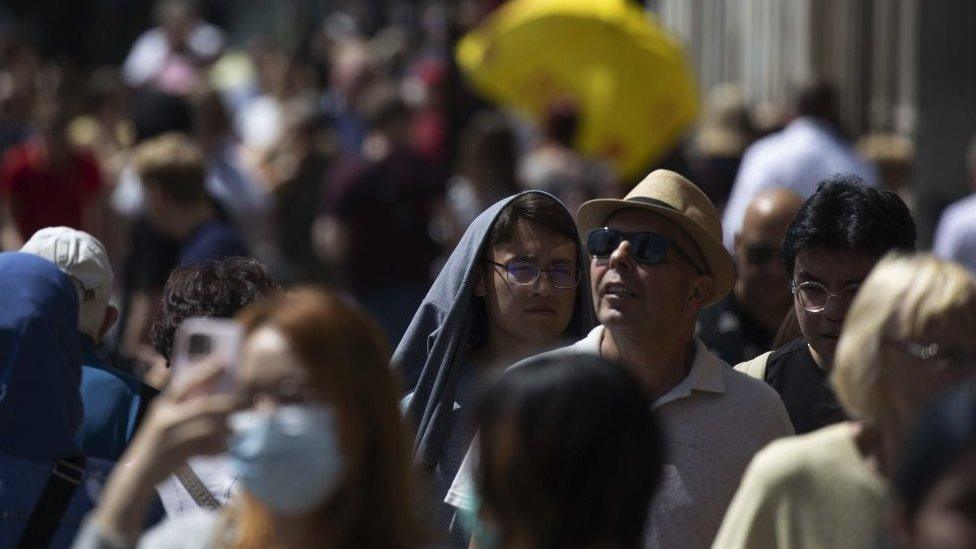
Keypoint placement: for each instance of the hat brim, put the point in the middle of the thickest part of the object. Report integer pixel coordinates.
(594, 213)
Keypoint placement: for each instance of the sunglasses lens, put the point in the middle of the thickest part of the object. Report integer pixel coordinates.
(602, 242)
(649, 247)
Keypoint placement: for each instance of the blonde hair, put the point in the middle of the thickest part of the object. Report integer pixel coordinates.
(174, 163)
(904, 297)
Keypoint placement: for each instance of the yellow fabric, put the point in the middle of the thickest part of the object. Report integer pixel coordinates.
(810, 491)
(628, 76)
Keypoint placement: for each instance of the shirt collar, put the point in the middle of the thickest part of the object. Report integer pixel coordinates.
(706, 372)
(591, 343)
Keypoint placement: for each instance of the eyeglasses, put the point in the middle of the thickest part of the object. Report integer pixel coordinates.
(814, 296)
(944, 359)
(523, 273)
(930, 352)
(647, 247)
(287, 391)
(760, 255)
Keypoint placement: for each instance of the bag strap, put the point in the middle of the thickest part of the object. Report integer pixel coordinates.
(195, 487)
(46, 516)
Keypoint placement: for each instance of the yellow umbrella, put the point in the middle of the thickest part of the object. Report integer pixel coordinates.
(628, 76)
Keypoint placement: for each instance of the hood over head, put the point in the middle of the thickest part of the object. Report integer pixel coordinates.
(40, 359)
(450, 321)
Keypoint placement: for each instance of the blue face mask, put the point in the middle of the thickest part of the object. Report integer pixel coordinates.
(288, 458)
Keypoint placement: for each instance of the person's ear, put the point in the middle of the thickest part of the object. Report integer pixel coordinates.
(699, 293)
(109, 320)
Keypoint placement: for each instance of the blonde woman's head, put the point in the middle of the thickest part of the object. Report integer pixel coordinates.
(908, 335)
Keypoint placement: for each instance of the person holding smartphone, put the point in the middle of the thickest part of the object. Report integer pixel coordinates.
(312, 429)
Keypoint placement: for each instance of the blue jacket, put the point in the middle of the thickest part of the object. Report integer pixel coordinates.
(113, 402)
(40, 406)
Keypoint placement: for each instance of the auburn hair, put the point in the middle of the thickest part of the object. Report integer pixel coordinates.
(348, 363)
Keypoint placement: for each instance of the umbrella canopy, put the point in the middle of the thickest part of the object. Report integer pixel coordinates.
(626, 75)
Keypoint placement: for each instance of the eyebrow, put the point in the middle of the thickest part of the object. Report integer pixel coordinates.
(552, 261)
(808, 276)
(848, 282)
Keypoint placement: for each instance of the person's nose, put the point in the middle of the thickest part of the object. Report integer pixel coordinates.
(621, 258)
(543, 284)
(834, 309)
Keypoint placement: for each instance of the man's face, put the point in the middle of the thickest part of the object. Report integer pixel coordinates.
(629, 294)
(841, 272)
(762, 283)
(535, 313)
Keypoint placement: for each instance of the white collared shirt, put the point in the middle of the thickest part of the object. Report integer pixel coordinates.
(714, 420)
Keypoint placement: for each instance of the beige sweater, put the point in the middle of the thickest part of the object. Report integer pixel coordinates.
(811, 491)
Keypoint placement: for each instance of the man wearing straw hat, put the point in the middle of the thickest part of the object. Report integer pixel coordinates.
(657, 259)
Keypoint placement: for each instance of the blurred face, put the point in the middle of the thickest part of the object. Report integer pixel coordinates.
(762, 283)
(837, 273)
(644, 296)
(946, 518)
(159, 208)
(271, 374)
(536, 313)
(916, 370)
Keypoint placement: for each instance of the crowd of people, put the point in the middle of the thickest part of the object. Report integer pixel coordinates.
(455, 330)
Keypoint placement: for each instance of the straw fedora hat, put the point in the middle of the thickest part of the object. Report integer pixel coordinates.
(678, 200)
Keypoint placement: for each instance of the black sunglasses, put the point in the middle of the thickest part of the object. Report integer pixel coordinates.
(647, 247)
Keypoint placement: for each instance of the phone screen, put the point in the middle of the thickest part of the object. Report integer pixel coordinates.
(202, 341)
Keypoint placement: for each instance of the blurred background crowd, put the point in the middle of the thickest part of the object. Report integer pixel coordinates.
(345, 142)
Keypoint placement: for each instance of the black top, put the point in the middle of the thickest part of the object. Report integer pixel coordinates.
(731, 333)
(803, 386)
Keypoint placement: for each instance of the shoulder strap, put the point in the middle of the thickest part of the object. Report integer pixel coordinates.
(194, 486)
(756, 367)
(46, 516)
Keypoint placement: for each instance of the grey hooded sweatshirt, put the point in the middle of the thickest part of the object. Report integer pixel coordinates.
(432, 356)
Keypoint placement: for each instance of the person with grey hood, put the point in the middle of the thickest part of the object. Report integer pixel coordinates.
(515, 285)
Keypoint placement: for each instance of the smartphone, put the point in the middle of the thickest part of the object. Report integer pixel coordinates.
(200, 341)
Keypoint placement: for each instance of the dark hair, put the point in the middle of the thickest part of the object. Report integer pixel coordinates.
(215, 289)
(941, 435)
(562, 122)
(537, 207)
(582, 453)
(488, 154)
(818, 98)
(846, 215)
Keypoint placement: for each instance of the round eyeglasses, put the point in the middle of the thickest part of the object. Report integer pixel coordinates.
(814, 296)
(523, 273)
